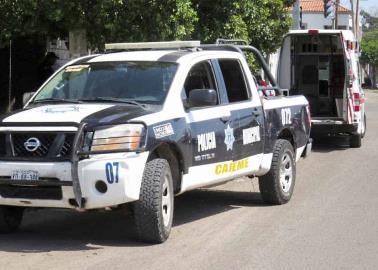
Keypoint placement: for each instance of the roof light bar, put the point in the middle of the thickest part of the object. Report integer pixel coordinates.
(231, 41)
(152, 45)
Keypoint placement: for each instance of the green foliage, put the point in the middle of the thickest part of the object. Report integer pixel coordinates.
(369, 47)
(103, 20)
(150, 21)
(260, 22)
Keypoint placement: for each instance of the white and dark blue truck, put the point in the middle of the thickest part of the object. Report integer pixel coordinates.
(144, 124)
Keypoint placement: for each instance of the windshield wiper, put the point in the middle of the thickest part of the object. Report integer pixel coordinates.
(57, 100)
(110, 99)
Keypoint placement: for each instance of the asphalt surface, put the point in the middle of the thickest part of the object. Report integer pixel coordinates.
(330, 223)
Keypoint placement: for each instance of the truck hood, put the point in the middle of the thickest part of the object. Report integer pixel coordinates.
(93, 114)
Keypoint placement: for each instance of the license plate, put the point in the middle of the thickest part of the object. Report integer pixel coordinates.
(28, 175)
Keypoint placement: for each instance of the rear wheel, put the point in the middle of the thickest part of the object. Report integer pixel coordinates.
(153, 212)
(355, 140)
(363, 127)
(10, 218)
(277, 185)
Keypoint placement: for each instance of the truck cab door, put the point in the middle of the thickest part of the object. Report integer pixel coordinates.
(247, 114)
(206, 124)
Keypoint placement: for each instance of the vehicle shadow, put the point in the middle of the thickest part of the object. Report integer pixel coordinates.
(48, 230)
(203, 203)
(330, 144)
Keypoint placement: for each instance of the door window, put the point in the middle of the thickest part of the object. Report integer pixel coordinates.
(200, 76)
(233, 77)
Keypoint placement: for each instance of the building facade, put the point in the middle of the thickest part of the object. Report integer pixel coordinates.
(313, 16)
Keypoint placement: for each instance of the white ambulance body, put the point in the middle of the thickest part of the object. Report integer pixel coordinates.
(323, 66)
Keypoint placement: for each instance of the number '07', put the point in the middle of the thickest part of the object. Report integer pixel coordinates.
(111, 170)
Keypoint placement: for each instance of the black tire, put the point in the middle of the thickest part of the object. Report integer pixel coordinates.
(271, 189)
(10, 218)
(363, 133)
(150, 223)
(355, 140)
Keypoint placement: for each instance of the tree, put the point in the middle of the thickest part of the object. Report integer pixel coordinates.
(369, 54)
(150, 21)
(103, 20)
(29, 23)
(260, 22)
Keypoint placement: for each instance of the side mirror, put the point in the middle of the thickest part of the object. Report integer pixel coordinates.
(202, 98)
(26, 96)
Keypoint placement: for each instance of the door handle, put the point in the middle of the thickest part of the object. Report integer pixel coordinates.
(225, 119)
(255, 112)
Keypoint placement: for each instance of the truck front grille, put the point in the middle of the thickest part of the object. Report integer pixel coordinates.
(36, 145)
(19, 140)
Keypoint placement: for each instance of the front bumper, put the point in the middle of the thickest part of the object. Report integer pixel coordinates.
(56, 188)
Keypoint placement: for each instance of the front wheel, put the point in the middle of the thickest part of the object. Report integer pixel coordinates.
(277, 186)
(153, 212)
(10, 218)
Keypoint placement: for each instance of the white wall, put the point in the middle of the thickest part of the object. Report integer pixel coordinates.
(58, 46)
(317, 21)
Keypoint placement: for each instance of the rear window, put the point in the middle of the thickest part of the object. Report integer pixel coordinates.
(318, 44)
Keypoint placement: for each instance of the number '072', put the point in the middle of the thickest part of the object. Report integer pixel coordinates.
(286, 116)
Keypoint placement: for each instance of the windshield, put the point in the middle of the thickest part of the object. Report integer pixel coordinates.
(144, 82)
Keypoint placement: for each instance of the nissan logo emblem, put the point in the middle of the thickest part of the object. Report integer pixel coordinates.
(32, 144)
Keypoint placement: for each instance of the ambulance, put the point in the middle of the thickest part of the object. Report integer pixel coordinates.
(323, 66)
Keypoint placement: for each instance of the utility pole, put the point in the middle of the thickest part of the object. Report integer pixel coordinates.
(357, 23)
(355, 5)
(296, 15)
(336, 14)
(10, 77)
(353, 20)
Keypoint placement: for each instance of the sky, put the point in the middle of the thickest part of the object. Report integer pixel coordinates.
(368, 5)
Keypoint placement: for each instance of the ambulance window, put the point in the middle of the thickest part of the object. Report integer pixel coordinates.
(233, 77)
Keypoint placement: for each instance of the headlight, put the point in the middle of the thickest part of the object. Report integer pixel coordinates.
(128, 137)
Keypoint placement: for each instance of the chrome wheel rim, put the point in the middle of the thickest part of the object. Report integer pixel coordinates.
(167, 202)
(286, 173)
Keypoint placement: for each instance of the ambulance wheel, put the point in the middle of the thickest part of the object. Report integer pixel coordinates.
(153, 212)
(363, 127)
(355, 140)
(10, 218)
(276, 187)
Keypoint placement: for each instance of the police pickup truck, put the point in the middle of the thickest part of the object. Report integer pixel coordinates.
(143, 124)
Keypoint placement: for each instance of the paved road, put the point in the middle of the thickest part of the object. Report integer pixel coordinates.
(330, 223)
